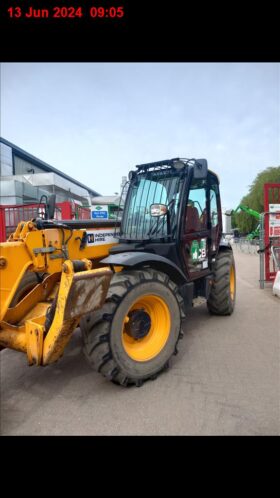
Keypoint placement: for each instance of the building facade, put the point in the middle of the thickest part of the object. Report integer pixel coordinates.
(25, 179)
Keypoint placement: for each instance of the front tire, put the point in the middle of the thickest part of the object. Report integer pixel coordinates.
(133, 336)
(221, 300)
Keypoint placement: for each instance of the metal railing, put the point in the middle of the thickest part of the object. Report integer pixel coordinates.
(11, 215)
(247, 246)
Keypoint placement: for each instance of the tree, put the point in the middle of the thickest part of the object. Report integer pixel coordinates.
(254, 199)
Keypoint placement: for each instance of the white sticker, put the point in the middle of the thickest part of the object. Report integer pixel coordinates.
(102, 236)
(204, 264)
(274, 220)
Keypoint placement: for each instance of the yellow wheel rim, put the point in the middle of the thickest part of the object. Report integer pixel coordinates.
(148, 347)
(232, 282)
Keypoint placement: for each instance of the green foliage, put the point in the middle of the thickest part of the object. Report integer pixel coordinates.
(254, 199)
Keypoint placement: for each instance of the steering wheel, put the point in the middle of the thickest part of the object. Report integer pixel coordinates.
(199, 206)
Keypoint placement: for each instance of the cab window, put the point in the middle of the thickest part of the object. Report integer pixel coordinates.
(196, 214)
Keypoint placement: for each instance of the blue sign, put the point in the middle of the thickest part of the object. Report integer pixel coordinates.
(99, 214)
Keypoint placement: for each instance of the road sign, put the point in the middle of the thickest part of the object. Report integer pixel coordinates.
(99, 212)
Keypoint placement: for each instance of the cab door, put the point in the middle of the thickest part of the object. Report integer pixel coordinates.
(196, 230)
(215, 211)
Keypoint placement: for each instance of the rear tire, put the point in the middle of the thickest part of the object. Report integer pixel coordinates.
(108, 343)
(223, 291)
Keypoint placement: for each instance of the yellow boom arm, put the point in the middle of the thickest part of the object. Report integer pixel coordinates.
(71, 283)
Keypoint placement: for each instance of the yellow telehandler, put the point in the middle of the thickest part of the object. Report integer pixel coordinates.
(127, 284)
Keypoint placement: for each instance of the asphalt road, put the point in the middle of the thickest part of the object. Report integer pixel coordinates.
(224, 381)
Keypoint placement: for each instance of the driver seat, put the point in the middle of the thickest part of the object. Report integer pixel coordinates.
(192, 223)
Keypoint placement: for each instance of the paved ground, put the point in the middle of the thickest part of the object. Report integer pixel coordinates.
(225, 380)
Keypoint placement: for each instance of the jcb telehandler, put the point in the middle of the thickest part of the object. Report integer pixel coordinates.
(128, 286)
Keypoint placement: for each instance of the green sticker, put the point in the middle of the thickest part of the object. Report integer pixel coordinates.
(198, 250)
(195, 250)
(202, 244)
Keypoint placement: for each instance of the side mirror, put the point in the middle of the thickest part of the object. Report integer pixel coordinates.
(200, 169)
(158, 210)
(51, 207)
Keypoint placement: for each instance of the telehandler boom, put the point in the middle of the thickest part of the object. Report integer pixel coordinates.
(241, 207)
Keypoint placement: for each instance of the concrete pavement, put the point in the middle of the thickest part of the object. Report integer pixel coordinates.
(225, 380)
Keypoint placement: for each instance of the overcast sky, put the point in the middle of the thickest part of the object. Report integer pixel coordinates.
(95, 122)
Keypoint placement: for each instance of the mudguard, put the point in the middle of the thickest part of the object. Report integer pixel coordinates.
(225, 244)
(135, 259)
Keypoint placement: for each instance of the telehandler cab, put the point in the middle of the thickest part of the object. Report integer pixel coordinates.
(128, 285)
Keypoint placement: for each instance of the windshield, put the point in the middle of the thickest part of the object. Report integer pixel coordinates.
(155, 188)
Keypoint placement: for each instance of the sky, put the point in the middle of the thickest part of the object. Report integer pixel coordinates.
(96, 121)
